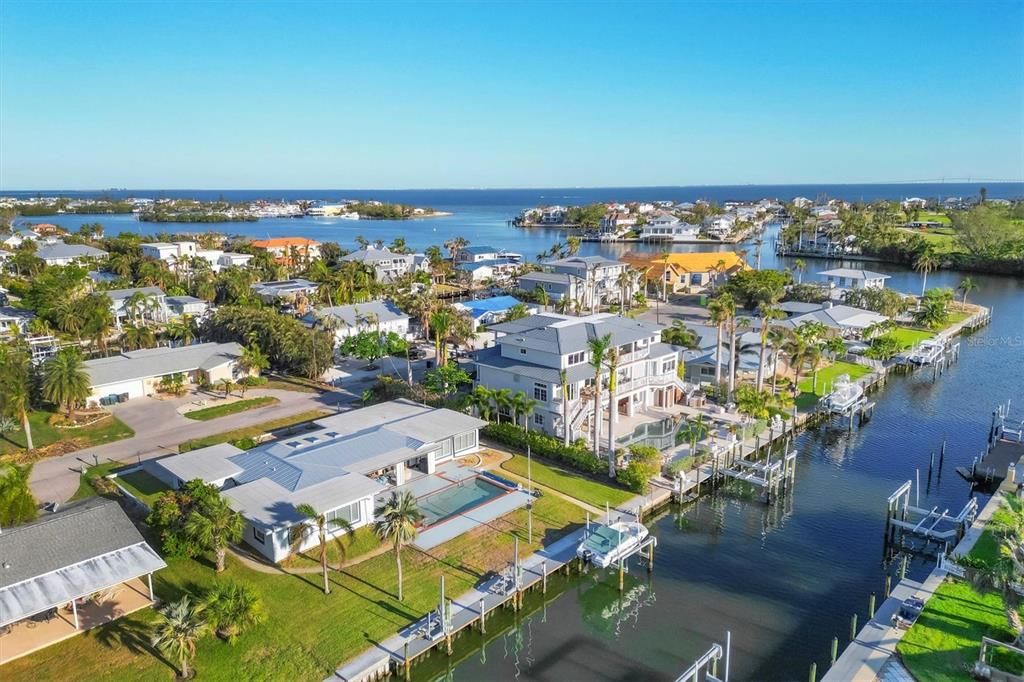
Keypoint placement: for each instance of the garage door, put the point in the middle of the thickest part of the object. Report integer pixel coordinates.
(134, 389)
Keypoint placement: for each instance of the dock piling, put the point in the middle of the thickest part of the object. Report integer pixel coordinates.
(813, 675)
(835, 651)
(483, 616)
(853, 627)
(871, 605)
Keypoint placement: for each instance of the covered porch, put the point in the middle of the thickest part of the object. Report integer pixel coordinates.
(56, 623)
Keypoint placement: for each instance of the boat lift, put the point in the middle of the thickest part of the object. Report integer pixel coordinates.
(930, 524)
(770, 475)
(708, 663)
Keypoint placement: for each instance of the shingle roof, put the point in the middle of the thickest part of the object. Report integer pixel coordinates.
(78, 532)
(156, 362)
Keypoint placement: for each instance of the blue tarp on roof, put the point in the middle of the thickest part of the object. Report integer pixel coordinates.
(495, 304)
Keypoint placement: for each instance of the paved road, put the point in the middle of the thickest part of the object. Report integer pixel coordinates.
(158, 430)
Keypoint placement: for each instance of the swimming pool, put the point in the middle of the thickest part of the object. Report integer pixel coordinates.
(457, 498)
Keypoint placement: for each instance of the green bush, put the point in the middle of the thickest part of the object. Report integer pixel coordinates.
(247, 443)
(644, 464)
(577, 455)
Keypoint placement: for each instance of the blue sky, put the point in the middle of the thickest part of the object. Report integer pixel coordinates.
(393, 95)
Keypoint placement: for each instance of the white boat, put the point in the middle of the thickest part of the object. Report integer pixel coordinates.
(926, 352)
(605, 545)
(845, 394)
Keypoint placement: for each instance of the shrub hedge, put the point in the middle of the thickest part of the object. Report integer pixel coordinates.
(575, 455)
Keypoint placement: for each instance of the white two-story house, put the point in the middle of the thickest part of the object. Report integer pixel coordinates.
(591, 280)
(387, 265)
(531, 353)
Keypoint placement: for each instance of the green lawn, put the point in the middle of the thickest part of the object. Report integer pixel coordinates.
(85, 488)
(948, 634)
(307, 633)
(908, 338)
(986, 548)
(593, 492)
(253, 431)
(362, 541)
(106, 430)
(143, 486)
(208, 413)
(809, 395)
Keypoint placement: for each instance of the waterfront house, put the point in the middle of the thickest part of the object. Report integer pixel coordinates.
(530, 353)
(665, 227)
(348, 320)
(686, 272)
(134, 374)
(387, 265)
(290, 251)
(477, 254)
(486, 311)
(495, 269)
(142, 303)
(229, 259)
(719, 226)
(849, 278)
(168, 252)
(848, 321)
(552, 215)
(68, 571)
(699, 363)
(18, 236)
(591, 280)
(59, 253)
(617, 223)
(14, 320)
(339, 469)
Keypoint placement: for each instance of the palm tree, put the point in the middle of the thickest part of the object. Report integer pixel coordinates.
(926, 262)
(624, 281)
(15, 391)
(182, 329)
(721, 310)
(68, 316)
(227, 384)
(777, 337)
(396, 521)
(482, 398)
(178, 627)
(17, 504)
(541, 296)
(441, 322)
(665, 255)
(502, 400)
(253, 359)
(65, 381)
(572, 244)
(613, 408)
(232, 607)
(136, 337)
(320, 524)
(967, 285)
(800, 266)
(796, 349)
(214, 525)
(563, 379)
(522, 405)
(768, 313)
(598, 350)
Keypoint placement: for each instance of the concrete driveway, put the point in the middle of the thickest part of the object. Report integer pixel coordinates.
(159, 428)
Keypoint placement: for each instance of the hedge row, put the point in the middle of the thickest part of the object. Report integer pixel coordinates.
(575, 455)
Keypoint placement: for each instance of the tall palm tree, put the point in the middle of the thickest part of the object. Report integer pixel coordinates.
(178, 627)
(136, 337)
(721, 309)
(768, 313)
(441, 322)
(563, 379)
(967, 285)
(796, 349)
(777, 337)
(214, 524)
(231, 607)
(17, 504)
(926, 262)
(800, 266)
(65, 381)
(396, 522)
(15, 391)
(253, 359)
(182, 329)
(613, 408)
(665, 255)
(482, 399)
(318, 523)
(502, 400)
(542, 297)
(598, 351)
(624, 281)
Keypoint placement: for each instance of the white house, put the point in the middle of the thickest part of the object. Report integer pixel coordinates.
(339, 469)
(476, 254)
(178, 306)
(149, 303)
(59, 253)
(588, 279)
(135, 374)
(169, 252)
(349, 320)
(532, 352)
(387, 265)
(849, 278)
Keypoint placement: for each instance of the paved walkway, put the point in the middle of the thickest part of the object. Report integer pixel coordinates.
(159, 428)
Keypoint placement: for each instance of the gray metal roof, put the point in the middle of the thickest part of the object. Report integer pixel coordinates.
(583, 262)
(265, 503)
(124, 294)
(60, 250)
(550, 277)
(359, 313)
(79, 532)
(157, 362)
(372, 255)
(492, 357)
(285, 287)
(798, 307)
(209, 464)
(850, 273)
(571, 334)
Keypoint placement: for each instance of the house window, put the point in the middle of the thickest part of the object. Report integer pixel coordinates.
(668, 366)
(465, 441)
(522, 351)
(350, 512)
(258, 535)
(571, 391)
(577, 358)
(540, 392)
(538, 419)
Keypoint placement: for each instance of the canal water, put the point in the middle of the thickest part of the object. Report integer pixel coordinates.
(783, 579)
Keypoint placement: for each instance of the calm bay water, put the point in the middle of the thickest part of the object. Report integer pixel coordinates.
(783, 579)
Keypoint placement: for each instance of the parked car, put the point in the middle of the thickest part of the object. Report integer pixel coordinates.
(908, 613)
(417, 353)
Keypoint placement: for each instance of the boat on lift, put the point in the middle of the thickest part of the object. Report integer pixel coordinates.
(845, 395)
(605, 545)
(926, 352)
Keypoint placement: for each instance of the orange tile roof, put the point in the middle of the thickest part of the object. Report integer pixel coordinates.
(701, 261)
